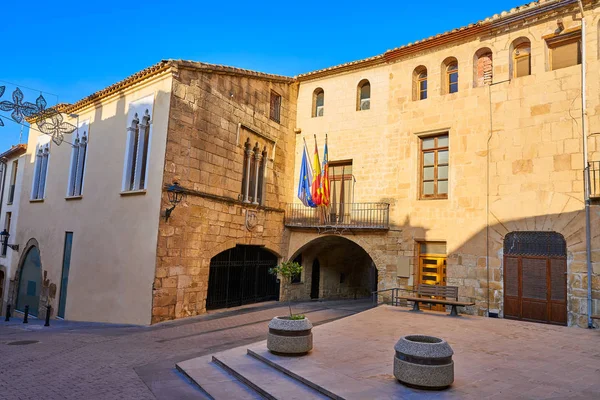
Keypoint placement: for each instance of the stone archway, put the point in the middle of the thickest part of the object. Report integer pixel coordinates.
(345, 268)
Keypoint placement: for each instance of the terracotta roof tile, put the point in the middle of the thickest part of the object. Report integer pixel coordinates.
(14, 151)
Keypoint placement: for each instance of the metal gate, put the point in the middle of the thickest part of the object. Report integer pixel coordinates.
(241, 276)
(535, 277)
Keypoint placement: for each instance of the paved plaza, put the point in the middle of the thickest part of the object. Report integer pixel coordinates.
(76, 360)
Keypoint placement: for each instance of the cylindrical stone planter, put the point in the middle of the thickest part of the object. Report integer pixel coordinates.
(290, 337)
(424, 362)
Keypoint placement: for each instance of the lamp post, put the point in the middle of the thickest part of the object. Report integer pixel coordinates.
(176, 194)
(4, 235)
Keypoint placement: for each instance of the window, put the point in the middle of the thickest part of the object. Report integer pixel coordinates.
(318, 102)
(483, 68)
(13, 182)
(78, 158)
(564, 50)
(420, 83)
(341, 190)
(434, 167)
(40, 170)
(7, 222)
(521, 58)
(253, 179)
(450, 75)
(363, 95)
(139, 135)
(275, 112)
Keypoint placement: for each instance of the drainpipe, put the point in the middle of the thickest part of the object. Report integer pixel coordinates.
(4, 166)
(586, 177)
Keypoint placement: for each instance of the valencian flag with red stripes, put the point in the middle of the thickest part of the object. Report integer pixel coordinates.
(316, 183)
(325, 193)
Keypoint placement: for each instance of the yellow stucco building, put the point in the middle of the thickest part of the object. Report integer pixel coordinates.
(456, 160)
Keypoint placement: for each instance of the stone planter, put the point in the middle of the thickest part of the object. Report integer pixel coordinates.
(424, 362)
(290, 337)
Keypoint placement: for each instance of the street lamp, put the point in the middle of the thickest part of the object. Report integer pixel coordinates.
(176, 194)
(4, 235)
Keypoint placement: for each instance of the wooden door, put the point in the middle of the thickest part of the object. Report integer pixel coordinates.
(535, 284)
(432, 271)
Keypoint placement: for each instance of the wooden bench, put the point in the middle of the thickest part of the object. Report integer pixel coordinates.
(442, 295)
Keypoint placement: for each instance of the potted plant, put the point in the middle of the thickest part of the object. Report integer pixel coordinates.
(291, 334)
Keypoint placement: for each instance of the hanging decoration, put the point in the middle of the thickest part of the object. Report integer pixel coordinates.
(49, 121)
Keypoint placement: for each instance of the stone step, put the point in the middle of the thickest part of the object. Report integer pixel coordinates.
(213, 381)
(270, 383)
(329, 383)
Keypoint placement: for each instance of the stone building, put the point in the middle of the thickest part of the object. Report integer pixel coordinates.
(454, 160)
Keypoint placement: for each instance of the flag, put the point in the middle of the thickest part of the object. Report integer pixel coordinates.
(316, 183)
(305, 181)
(325, 193)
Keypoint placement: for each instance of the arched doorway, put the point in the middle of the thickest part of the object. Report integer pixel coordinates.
(335, 267)
(241, 276)
(30, 282)
(535, 277)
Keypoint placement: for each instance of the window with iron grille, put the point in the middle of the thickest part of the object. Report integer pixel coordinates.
(275, 113)
(434, 167)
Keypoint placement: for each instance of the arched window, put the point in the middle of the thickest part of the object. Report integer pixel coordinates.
(363, 95)
(520, 62)
(483, 69)
(420, 83)
(450, 75)
(318, 102)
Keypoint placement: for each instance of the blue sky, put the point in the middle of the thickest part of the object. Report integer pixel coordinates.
(69, 49)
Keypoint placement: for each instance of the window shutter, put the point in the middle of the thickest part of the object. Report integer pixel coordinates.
(565, 55)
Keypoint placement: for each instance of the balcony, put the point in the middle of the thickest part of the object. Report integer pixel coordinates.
(359, 216)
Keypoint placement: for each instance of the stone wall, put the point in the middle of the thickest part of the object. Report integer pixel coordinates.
(213, 113)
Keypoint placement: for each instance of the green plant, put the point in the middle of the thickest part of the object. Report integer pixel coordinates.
(287, 270)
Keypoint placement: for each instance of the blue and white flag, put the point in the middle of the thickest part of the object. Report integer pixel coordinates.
(305, 181)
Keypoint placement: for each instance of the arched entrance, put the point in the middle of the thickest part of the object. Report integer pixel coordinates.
(535, 277)
(30, 282)
(335, 268)
(241, 276)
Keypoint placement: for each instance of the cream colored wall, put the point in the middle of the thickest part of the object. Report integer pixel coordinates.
(535, 154)
(114, 236)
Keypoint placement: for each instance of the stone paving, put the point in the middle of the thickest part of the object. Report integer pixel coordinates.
(76, 360)
(494, 358)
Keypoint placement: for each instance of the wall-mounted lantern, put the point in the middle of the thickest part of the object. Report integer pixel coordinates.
(176, 194)
(4, 235)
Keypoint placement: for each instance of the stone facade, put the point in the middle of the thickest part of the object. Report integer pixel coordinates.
(212, 115)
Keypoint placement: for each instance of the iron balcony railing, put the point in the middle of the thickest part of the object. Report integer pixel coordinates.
(347, 215)
(593, 171)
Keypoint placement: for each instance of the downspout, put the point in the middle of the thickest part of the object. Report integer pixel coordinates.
(3, 180)
(586, 177)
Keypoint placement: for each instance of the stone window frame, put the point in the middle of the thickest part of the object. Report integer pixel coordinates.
(419, 77)
(362, 97)
(275, 107)
(40, 174)
(138, 145)
(78, 162)
(447, 73)
(436, 149)
(485, 76)
(517, 45)
(318, 110)
(254, 171)
(556, 41)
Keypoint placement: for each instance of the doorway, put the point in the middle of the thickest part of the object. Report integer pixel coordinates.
(315, 279)
(432, 266)
(535, 277)
(30, 282)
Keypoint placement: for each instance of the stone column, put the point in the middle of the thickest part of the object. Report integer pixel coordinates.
(257, 157)
(249, 154)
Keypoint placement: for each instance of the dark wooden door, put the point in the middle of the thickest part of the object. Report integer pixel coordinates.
(315, 279)
(535, 285)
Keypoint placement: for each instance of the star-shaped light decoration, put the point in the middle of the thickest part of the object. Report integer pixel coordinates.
(54, 126)
(19, 109)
